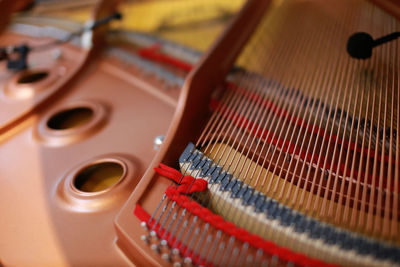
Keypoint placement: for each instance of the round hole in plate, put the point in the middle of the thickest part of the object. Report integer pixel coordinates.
(70, 118)
(98, 177)
(32, 77)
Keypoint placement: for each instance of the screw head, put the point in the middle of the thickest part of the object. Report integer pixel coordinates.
(158, 142)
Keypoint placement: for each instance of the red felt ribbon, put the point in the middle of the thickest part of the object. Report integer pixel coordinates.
(171, 240)
(187, 184)
(177, 194)
(153, 53)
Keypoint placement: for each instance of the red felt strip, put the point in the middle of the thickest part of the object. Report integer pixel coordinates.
(187, 184)
(317, 130)
(153, 53)
(231, 229)
(239, 233)
(219, 223)
(287, 146)
(142, 215)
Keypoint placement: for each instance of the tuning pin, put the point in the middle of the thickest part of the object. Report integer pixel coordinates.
(166, 257)
(164, 243)
(155, 248)
(175, 251)
(144, 238)
(144, 225)
(188, 261)
(153, 234)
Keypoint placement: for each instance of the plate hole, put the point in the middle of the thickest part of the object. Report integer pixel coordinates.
(33, 77)
(70, 118)
(98, 177)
